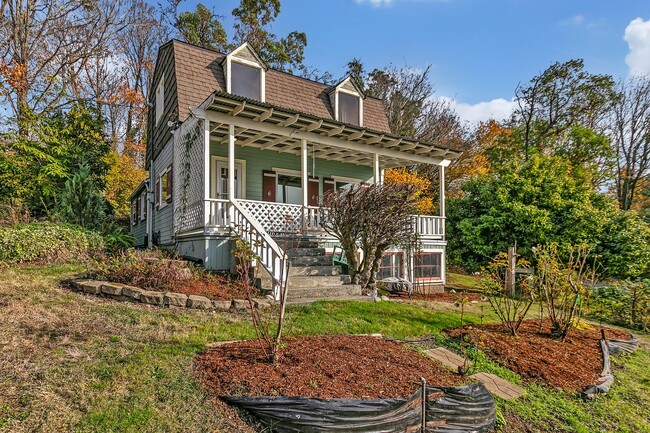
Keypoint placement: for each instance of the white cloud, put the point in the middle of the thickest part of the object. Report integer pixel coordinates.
(497, 109)
(582, 21)
(637, 36)
(387, 3)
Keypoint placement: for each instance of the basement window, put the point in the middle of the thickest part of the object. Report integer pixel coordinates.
(427, 266)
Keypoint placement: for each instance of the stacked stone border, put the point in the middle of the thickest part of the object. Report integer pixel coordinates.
(123, 292)
(609, 347)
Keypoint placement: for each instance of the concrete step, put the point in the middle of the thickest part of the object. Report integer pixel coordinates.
(311, 261)
(323, 291)
(264, 281)
(314, 270)
(291, 243)
(301, 252)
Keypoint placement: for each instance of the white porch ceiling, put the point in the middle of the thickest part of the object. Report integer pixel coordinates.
(262, 126)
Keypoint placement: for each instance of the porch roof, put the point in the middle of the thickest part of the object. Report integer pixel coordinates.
(271, 127)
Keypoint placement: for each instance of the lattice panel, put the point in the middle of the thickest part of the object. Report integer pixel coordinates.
(188, 176)
(276, 218)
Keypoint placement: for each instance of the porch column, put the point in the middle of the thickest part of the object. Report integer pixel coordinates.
(377, 171)
(441, 171)
(231, 169)
(304, 181)
(304, 172)
(206, 172)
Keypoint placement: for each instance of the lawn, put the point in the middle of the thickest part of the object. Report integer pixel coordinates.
(80, 363)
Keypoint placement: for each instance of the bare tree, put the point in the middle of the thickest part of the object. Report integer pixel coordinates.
(44, 47)
(370, 219)
(630, 132)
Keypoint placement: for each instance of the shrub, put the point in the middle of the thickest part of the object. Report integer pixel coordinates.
(48, 242)
(625, 304)
(511, 305)
(150, 269)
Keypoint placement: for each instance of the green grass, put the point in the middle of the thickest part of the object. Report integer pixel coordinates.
(462, 282)
(83, 364)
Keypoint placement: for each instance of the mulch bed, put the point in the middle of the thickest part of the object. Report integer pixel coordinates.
(446, 297)
(216, 288)
(321, 367)
(571, 365)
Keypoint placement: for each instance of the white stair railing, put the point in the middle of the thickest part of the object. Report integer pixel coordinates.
(269, 254)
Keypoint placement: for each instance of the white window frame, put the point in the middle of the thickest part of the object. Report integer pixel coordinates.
(163, 203)
(348, 92)
(245, 62)
(214, 174)
(143, 205)
(160, 99)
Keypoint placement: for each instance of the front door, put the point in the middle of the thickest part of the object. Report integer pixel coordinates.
(221, 187)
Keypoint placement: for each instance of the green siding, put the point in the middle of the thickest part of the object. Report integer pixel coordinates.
(259, 160)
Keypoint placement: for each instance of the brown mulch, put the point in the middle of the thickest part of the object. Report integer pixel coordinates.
(571, 365)
(446, 297)
(216, 288)
(339, 366)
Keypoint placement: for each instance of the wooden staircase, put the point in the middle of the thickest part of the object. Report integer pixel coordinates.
(311, 274)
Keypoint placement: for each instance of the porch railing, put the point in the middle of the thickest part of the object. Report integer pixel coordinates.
(279, 219)
(269, 254)
(429, 226)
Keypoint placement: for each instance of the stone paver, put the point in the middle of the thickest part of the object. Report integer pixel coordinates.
(201, 302)
(448, 358)
(112, 289)
(499, 387)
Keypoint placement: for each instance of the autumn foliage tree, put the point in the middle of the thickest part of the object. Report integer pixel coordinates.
(421, 187)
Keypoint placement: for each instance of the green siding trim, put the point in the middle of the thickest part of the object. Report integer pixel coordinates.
(259, 160)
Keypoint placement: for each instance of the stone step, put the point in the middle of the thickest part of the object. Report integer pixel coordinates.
(323, 291)
(305, 281)
(301, 252)
(314, 271)
(311, 261)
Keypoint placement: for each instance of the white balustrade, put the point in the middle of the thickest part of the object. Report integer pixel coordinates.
(269, 254)
(218, 213)
(428, 226)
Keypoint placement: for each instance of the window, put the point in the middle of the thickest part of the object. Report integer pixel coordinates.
(160, 99)
(289, 189)
(349, 107)
(134, 212)
(164, 188)
(427, 265)
(246, 81)
(143, 206)
(391, 266)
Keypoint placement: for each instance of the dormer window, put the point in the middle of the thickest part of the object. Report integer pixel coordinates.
(245, 73)
(246, 81)
(349, 108)
(347, 101)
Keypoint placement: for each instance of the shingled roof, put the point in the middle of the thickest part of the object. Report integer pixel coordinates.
(199, 73)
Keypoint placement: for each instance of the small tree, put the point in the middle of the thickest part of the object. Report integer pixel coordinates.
(268, 334)
(371, 219)
(562, 283)
(511, 306)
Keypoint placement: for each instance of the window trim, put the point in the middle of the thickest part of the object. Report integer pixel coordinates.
(415, 266)
(143, 206)
(159, 187)
(232, 57)
(393, 266)
(213, 175)
(160, 99)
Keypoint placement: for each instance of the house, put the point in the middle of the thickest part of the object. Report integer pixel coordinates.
(236, 148)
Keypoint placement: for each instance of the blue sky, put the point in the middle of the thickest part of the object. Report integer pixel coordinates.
(479, 49)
